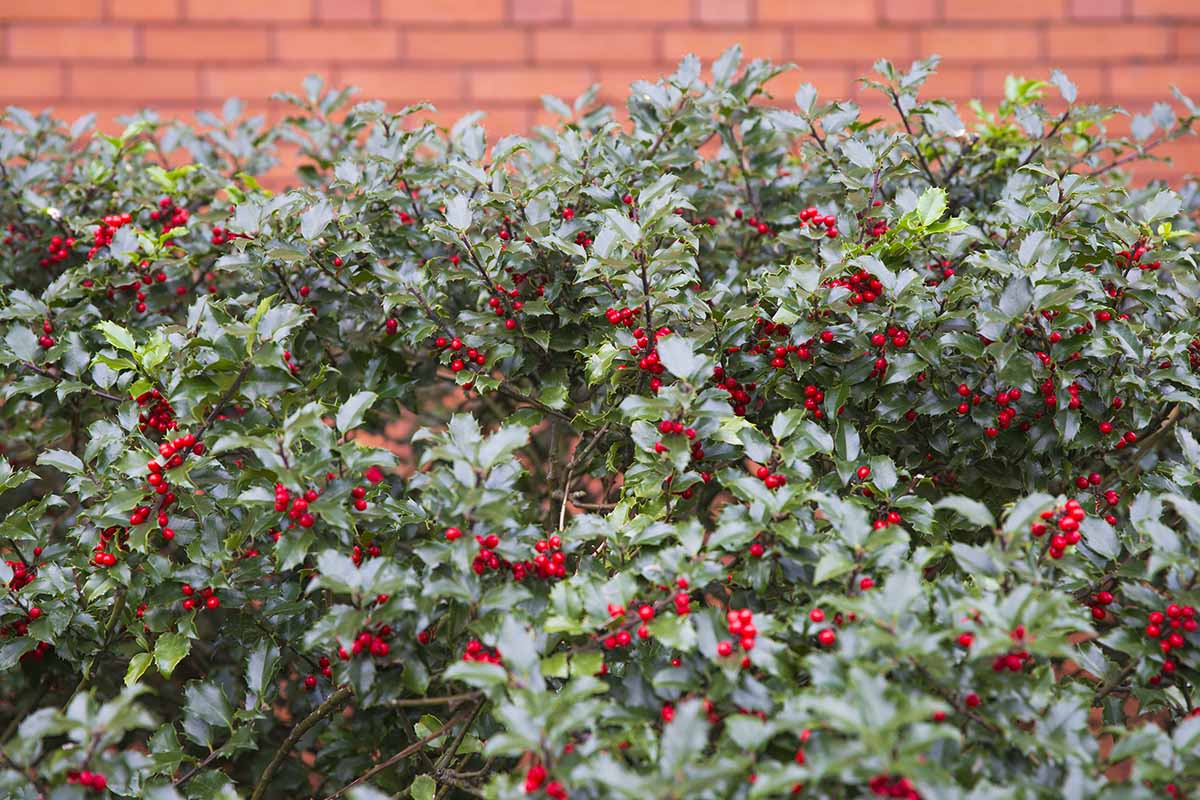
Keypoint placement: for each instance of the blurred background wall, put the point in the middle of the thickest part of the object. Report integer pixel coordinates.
(115, 56)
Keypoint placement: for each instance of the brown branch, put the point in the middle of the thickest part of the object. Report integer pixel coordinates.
(403, 754)
(331, 704)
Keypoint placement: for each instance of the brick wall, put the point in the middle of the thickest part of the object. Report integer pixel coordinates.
(112, 56)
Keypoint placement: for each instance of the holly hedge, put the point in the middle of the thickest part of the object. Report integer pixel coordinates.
(757, 449)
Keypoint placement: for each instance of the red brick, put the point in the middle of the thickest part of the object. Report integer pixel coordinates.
(1016, 10)
(255, 84)
(205, 43)
(615, 81)
(144, 10)
(833, 83)
(1097, 9)
(337, 43)
(50, 9)
(951, 81)
(18, 83)
(261, 10)
(711, 12)
(911, 10)
(526, 84)
(982, 44)
(859, 46)
(1180, 9)
(630, 11)
(594, 45)
(501, 120)
(134, 84)
(708, 44)
(443, 10)
(1187, 41)
(540, 10)
(1106, 42)
(408, 84)
(1153, 82)
(461, 46)
(808, 13)
(74, 42)
(346, 10)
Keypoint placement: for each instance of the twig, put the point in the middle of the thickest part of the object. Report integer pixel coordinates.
(403, 754)
(1149, 443)
(216, 409)
(448, 699)
(187, 776)
(331, 704)
(109, 627)
(576, 458)
(911, 135)
(54, 377)
(1112, 683)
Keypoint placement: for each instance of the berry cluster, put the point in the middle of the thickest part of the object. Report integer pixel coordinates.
(1007, 413)
(207, 598)
(759, 226)
(942, 270)
(536, 776)
(826, 636)
(1098, 603)
(357, 553)
(811, 216)
(476, 651)
(645, 343)
(454, 345)
(772, 480)
(170, 215)
(157, 412)
(310, 681)
(1014, 660)
(740, 624)
(739, 395)
(296, 507)
(88, 780)
(359, 497)
(1133, 258)
(103, 235)
(1168, 627)
(45, 340)
(369, 643)
(1067, 518)
(113, 537)
(546, 567)
(864, 287)
(22, 575)
(893, 786)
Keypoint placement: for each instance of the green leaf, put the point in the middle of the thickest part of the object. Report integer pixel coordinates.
(973, 511)
(679, 356)
(137, 667)
(169, 650)
(422, 788)
(62, 461)
(931, 206)
(117, 336)
(351, 414)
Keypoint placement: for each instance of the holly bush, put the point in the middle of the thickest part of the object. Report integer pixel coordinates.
(739, 449)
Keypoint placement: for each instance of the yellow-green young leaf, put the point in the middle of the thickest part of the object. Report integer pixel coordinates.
(423, 788)
(931, 206)
(169, 650)
(137, 666)
(555, 666)
(117, 336)
(586, 663)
